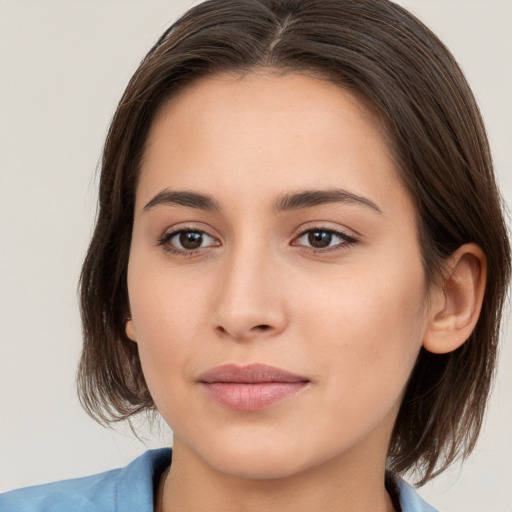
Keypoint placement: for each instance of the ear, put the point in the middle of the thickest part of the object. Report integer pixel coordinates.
(455, 307)
(130, 329)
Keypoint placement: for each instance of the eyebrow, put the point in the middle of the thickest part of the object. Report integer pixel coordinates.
(285, 202)
(309, 198)
(183, 198)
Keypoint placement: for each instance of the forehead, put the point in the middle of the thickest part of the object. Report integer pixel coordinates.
(248, 99)
(267, 132)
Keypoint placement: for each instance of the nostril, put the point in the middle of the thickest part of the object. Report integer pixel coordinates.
(241, 332)
(262, 327)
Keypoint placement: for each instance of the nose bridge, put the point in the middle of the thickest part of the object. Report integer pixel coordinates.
(250, 301)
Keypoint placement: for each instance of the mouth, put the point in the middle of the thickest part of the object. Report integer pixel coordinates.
(252, 387)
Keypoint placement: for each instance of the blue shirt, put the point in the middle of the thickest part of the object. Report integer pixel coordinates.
(131, 489)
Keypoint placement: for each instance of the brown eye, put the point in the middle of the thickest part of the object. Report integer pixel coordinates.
(319, 239)
(187, 241)
(190, 239)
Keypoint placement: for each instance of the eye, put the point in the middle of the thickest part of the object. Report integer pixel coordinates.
(186, 241)
(319, 239)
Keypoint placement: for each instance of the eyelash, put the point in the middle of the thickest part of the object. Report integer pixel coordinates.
(165, 239)
(346, 241)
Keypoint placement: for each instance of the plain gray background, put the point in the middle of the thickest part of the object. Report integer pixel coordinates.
(64, 65)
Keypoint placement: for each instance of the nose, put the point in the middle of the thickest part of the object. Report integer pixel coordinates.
(250, 301)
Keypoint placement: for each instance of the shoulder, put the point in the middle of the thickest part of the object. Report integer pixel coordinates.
(123, 490)
(406, 496)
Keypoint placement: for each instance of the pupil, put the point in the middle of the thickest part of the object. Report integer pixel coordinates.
(191, 240)
(319, 239)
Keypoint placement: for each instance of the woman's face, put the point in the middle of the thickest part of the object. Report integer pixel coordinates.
(275, 280)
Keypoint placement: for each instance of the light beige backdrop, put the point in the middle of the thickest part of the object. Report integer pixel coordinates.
(63, 67)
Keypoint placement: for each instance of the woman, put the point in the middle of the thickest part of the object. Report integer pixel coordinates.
(289, 264)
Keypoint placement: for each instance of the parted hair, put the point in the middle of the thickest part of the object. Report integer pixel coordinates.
(392, 61)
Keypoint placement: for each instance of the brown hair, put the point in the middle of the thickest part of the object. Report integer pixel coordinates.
(384, 54)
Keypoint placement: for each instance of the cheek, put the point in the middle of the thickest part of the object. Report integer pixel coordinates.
(367, 327)
(168, 317)
(165, 304)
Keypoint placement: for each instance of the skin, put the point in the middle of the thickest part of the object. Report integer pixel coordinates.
(350, 317)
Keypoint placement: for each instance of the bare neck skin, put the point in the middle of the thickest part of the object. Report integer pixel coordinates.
(353, 483)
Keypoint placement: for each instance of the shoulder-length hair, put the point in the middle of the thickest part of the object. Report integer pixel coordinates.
(395, 64)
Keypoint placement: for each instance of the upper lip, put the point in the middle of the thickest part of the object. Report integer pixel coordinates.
(249, 374)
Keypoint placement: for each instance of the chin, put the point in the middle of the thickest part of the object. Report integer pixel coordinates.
(258, 466)
(257, 457)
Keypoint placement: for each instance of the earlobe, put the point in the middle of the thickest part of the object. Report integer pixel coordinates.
(455, 312)
(130, 330)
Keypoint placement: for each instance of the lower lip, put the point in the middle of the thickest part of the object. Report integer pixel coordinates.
(251, 397)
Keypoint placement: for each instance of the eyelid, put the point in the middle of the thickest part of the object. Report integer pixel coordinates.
(326, 226)
(199, 227)
(171, 232)
(347, 239)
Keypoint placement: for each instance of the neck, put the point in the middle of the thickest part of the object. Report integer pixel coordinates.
(336, 485)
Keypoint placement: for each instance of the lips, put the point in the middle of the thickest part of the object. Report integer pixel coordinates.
(252, 387)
